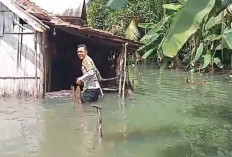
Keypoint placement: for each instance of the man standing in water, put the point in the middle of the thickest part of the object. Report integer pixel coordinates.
(90, 77)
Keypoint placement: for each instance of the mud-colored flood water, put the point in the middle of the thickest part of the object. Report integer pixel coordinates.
(168, 119)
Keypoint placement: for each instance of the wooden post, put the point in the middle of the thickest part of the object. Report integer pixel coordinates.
(36, 76)
(120, 71)
(124, 68)
(42, 64)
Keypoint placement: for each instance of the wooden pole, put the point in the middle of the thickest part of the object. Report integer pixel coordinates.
(42, 64)
(124, 68)
(120, 71)
(36, 76)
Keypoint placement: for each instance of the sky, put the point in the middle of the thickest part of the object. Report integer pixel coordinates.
(57, 6)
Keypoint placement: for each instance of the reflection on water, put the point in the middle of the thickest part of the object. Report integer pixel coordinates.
(168, 119)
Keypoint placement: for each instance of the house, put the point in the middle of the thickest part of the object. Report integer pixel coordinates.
(38, 50)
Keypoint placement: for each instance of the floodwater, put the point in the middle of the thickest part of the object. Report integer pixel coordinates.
(168, 119)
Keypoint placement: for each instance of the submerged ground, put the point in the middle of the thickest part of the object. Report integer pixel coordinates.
(168, 119)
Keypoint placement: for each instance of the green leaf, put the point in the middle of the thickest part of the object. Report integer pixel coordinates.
(227, 35)
(187, 23)
(155, 29)
(198, 54)
(182, 1)
(147, 38)
(214, 20)
(175, 7)
(150, 40)
(213, 37)
(207, 59)
(225, 4)
(218, 62)
(225, 46)
(116, 4)
(192, 70)
(141, 48)
(146, 25)
(148, 53)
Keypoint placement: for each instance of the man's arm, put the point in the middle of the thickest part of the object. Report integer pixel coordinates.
(85, 77)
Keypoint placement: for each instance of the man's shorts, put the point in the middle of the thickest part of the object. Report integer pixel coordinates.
(90, 95)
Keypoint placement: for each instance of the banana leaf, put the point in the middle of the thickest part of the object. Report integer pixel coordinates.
(225, 4)
(149, 38)
(218, 62)
(155, 29)
(213, 37)
(149, 41)
(227, 35)
(148, 53)
(198, 54)
(187, 23)
(175, 7)
(214, 20)
(116, 4)
(207, 59)
(146, 25)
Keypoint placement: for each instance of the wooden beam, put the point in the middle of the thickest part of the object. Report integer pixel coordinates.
(18, 78)
(42, 63)
(17, 33)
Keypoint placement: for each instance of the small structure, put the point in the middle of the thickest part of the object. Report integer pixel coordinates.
(38, 50)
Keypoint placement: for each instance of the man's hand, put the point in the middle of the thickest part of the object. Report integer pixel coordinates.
(78, 82)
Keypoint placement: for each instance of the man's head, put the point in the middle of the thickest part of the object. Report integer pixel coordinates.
(82, 51)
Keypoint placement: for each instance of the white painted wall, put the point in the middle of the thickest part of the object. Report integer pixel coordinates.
(17, 56)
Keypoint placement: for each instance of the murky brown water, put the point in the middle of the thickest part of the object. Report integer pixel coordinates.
(167, 119)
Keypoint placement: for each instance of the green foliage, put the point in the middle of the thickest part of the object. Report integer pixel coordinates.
(218, 62)
(198, 54)
(175, 7)
(117, 21)
(227, 35)
(97, 13)
(148, 53)
(186, 24)
(207, 59)
(116, 4)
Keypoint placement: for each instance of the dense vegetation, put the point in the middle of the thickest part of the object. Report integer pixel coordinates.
(193, 34)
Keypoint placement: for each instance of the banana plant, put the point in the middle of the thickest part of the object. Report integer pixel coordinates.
(153, 38)
(116, 4)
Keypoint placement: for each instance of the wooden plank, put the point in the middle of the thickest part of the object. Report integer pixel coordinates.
(18, 78)
(36, 64)
(17, 33)
(42, 63)
(1, 25)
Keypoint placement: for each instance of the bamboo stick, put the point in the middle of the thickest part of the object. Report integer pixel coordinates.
(124, 79)
(120, 71)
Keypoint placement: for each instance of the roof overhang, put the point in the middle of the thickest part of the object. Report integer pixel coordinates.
(28, 18)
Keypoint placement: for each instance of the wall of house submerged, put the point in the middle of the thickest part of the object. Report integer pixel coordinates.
(20, 52)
